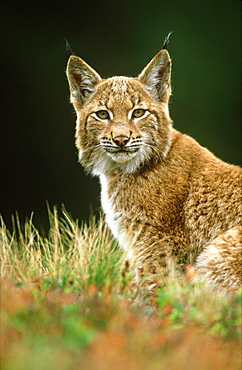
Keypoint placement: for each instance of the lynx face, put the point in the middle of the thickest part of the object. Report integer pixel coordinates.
(122, 123)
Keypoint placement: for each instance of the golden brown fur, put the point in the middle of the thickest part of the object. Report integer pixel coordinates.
(165, 197)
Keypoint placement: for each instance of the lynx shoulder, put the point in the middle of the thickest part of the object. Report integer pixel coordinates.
(165, 197)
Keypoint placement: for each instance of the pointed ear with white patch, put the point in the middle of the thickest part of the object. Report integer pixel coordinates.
(82, 79)
(157, 76)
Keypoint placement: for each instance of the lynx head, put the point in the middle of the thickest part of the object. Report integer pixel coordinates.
(122, 123)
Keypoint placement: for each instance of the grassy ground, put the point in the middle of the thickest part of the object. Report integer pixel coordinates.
(68, 301)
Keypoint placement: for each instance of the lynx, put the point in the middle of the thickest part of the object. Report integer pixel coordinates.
(166, 198)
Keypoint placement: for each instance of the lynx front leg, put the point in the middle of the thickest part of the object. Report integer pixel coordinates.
(158, 262)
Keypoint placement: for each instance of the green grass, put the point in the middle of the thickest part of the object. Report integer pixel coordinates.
(69, 301)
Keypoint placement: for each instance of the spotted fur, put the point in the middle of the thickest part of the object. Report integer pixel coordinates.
(165, 197)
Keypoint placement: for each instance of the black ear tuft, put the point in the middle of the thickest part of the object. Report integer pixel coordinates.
(68, 48)
(166, 41)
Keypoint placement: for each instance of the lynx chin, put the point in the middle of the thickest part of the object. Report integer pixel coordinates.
(168, 200)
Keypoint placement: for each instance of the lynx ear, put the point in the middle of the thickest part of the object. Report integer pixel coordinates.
(157, 76)
(82, 79)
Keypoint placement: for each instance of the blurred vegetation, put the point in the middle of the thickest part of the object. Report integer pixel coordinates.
(68, 300)
(38, 155)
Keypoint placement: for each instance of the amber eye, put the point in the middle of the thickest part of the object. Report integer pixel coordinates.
(103, 114)
(137, 113)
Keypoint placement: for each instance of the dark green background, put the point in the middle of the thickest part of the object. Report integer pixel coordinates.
(38, 156)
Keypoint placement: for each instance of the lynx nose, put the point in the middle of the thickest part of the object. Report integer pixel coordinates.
(121, 140)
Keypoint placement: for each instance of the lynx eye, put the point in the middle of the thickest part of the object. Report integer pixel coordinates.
(102, 114)
(137, 113)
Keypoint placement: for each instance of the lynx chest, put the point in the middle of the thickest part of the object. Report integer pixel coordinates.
(112, 214)
(129, 207)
